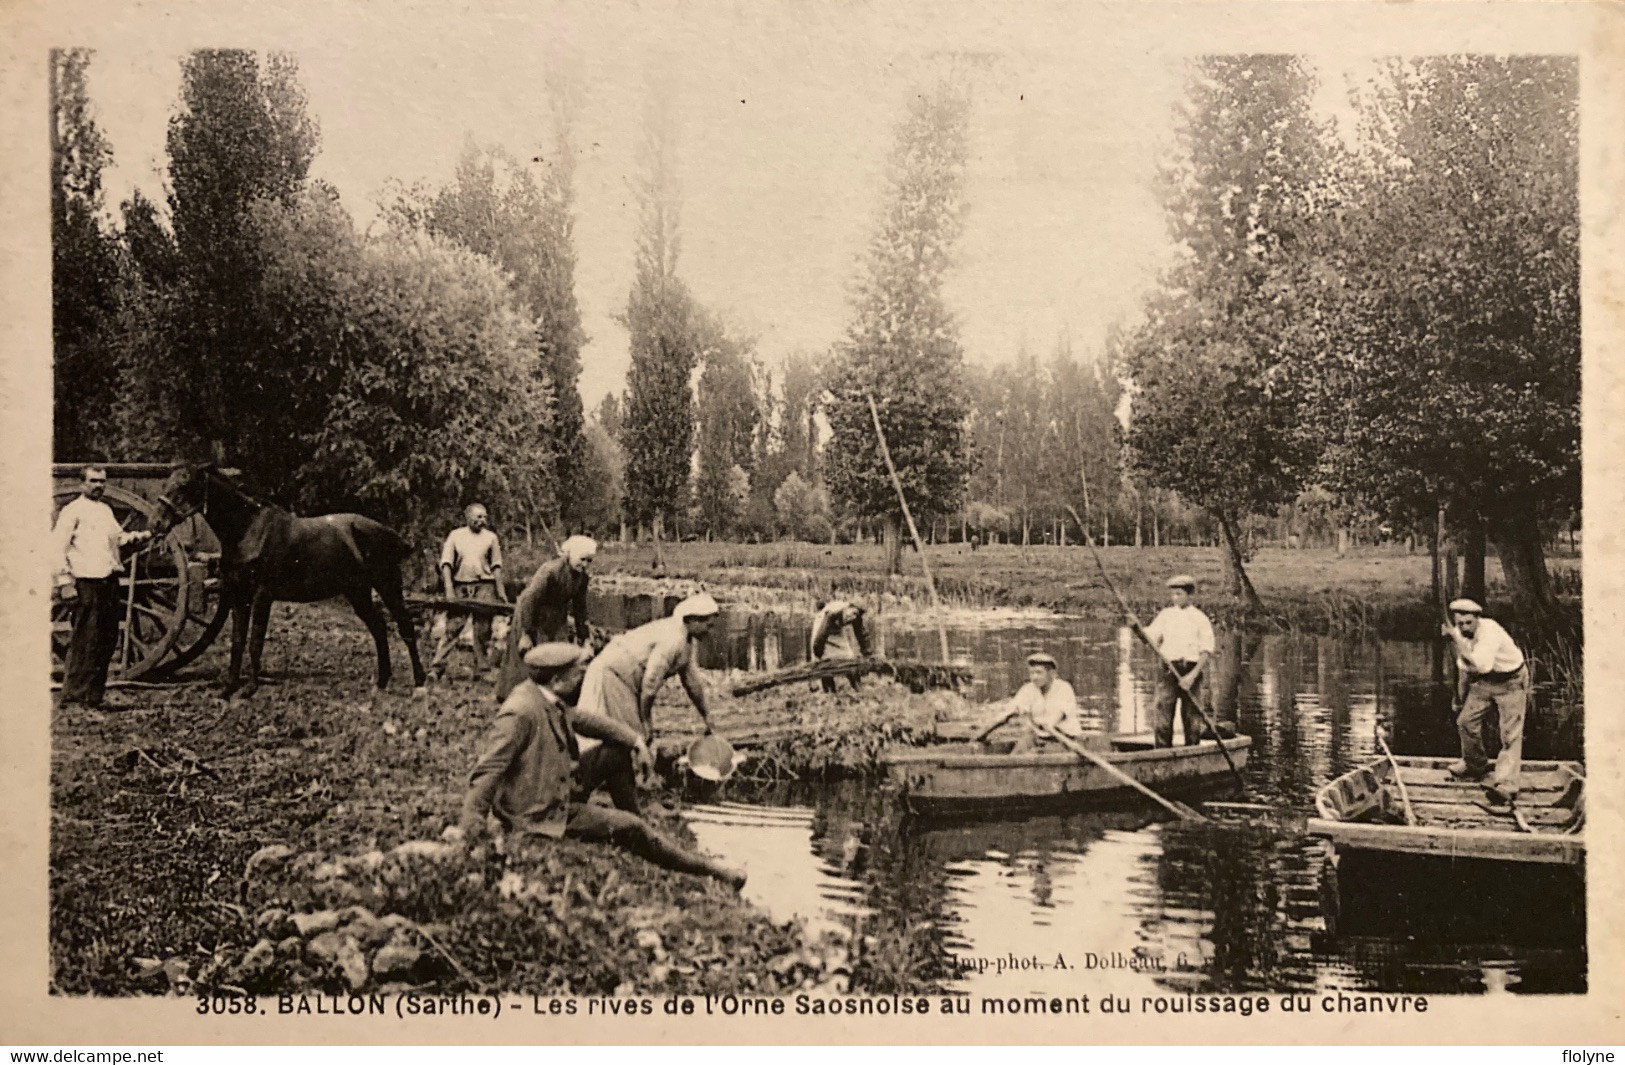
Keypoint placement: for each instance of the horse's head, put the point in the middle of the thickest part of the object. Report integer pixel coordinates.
(185, 492)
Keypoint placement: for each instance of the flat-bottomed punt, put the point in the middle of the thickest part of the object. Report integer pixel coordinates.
(1364, 811)
(968, 778)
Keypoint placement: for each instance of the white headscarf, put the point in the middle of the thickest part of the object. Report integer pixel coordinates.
(697, 606)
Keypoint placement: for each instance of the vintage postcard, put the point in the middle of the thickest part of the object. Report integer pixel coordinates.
(811, 522)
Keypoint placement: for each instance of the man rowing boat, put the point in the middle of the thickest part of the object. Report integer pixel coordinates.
(1046, 703)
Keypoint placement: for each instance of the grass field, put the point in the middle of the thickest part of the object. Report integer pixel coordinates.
(1383, 590)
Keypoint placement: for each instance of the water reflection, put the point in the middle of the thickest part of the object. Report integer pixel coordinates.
(1164, 907)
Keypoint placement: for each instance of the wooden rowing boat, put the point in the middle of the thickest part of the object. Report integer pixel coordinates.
(1362, 811)
(985, 778)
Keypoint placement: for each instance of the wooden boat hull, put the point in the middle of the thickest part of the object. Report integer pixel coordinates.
(964, 778)
(1363, 811)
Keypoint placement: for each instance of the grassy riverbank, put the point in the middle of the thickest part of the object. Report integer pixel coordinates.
(1379, 591)
(159, 807)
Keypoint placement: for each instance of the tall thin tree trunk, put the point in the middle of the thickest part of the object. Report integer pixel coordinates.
(1473, 549)
(1436, 561)
(892, 533)
(1523, 564)
(1237, 582)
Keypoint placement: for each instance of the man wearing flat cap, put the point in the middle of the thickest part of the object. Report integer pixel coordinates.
(1492, 676)
(555, 596)
(1046, 703)
(527, 773)
(622, 683)
(1184, 636)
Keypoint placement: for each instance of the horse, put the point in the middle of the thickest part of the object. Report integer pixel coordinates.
(269, 555)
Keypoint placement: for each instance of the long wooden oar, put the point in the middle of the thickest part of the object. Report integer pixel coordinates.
(902, 501)
(1399, 778)
(1139, 630)
(1178, 809)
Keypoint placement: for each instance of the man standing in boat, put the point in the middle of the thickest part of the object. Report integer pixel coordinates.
(622, 683)
(1046, 702)
(1184, 636)
(840, 630)
(1492, 676)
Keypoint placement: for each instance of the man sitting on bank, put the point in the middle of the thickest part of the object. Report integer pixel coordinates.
(1491, 675)
(526, 770)
(1046, 703)
(1184, 636)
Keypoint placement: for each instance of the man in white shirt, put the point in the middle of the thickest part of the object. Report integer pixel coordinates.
(470, 568)
(1184, 635)
(1046, 702)
(88, 537)
(1491, 676)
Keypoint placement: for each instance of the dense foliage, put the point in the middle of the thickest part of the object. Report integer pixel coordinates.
(902, 347)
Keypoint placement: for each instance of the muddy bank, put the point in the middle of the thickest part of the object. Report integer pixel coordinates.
(159, 807)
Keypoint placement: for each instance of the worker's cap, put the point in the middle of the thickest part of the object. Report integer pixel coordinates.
(1041, 658)
(1182, 580)
(554, 656)
(1465, 606)
(577, 548)
(697, 606)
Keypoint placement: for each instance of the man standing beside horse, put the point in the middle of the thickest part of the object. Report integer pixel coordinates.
(470, 568)
(88, 537)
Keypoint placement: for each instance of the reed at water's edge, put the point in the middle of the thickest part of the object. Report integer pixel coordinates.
(1370, 592)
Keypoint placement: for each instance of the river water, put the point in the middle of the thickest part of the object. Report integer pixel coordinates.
(1123, 897)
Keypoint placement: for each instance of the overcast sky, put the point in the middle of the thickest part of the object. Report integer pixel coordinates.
(786, 115)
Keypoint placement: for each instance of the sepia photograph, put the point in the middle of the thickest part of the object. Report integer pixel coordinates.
(804, 511)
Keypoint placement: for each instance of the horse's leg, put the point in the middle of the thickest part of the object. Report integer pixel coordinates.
(396, 605)
(239, 637)
(259, 621)
(373, 618)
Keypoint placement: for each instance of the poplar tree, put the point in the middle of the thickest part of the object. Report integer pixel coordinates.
(902, 347)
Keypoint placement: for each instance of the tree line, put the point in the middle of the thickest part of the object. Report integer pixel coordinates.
(1378, 322)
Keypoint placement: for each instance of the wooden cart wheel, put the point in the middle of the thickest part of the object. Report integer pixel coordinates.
(206, 609)
(150, 619)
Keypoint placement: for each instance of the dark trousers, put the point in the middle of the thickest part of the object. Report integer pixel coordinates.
(1169, 693)
(95, 635)
(484, 592)
(594, 824)
(609, 766)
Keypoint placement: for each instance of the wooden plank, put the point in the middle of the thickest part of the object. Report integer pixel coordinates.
(1512, 846)
(1527, 796)
(1543, 778)
(1442, 813)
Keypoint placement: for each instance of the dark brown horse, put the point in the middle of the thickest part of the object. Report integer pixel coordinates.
(269, 555)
